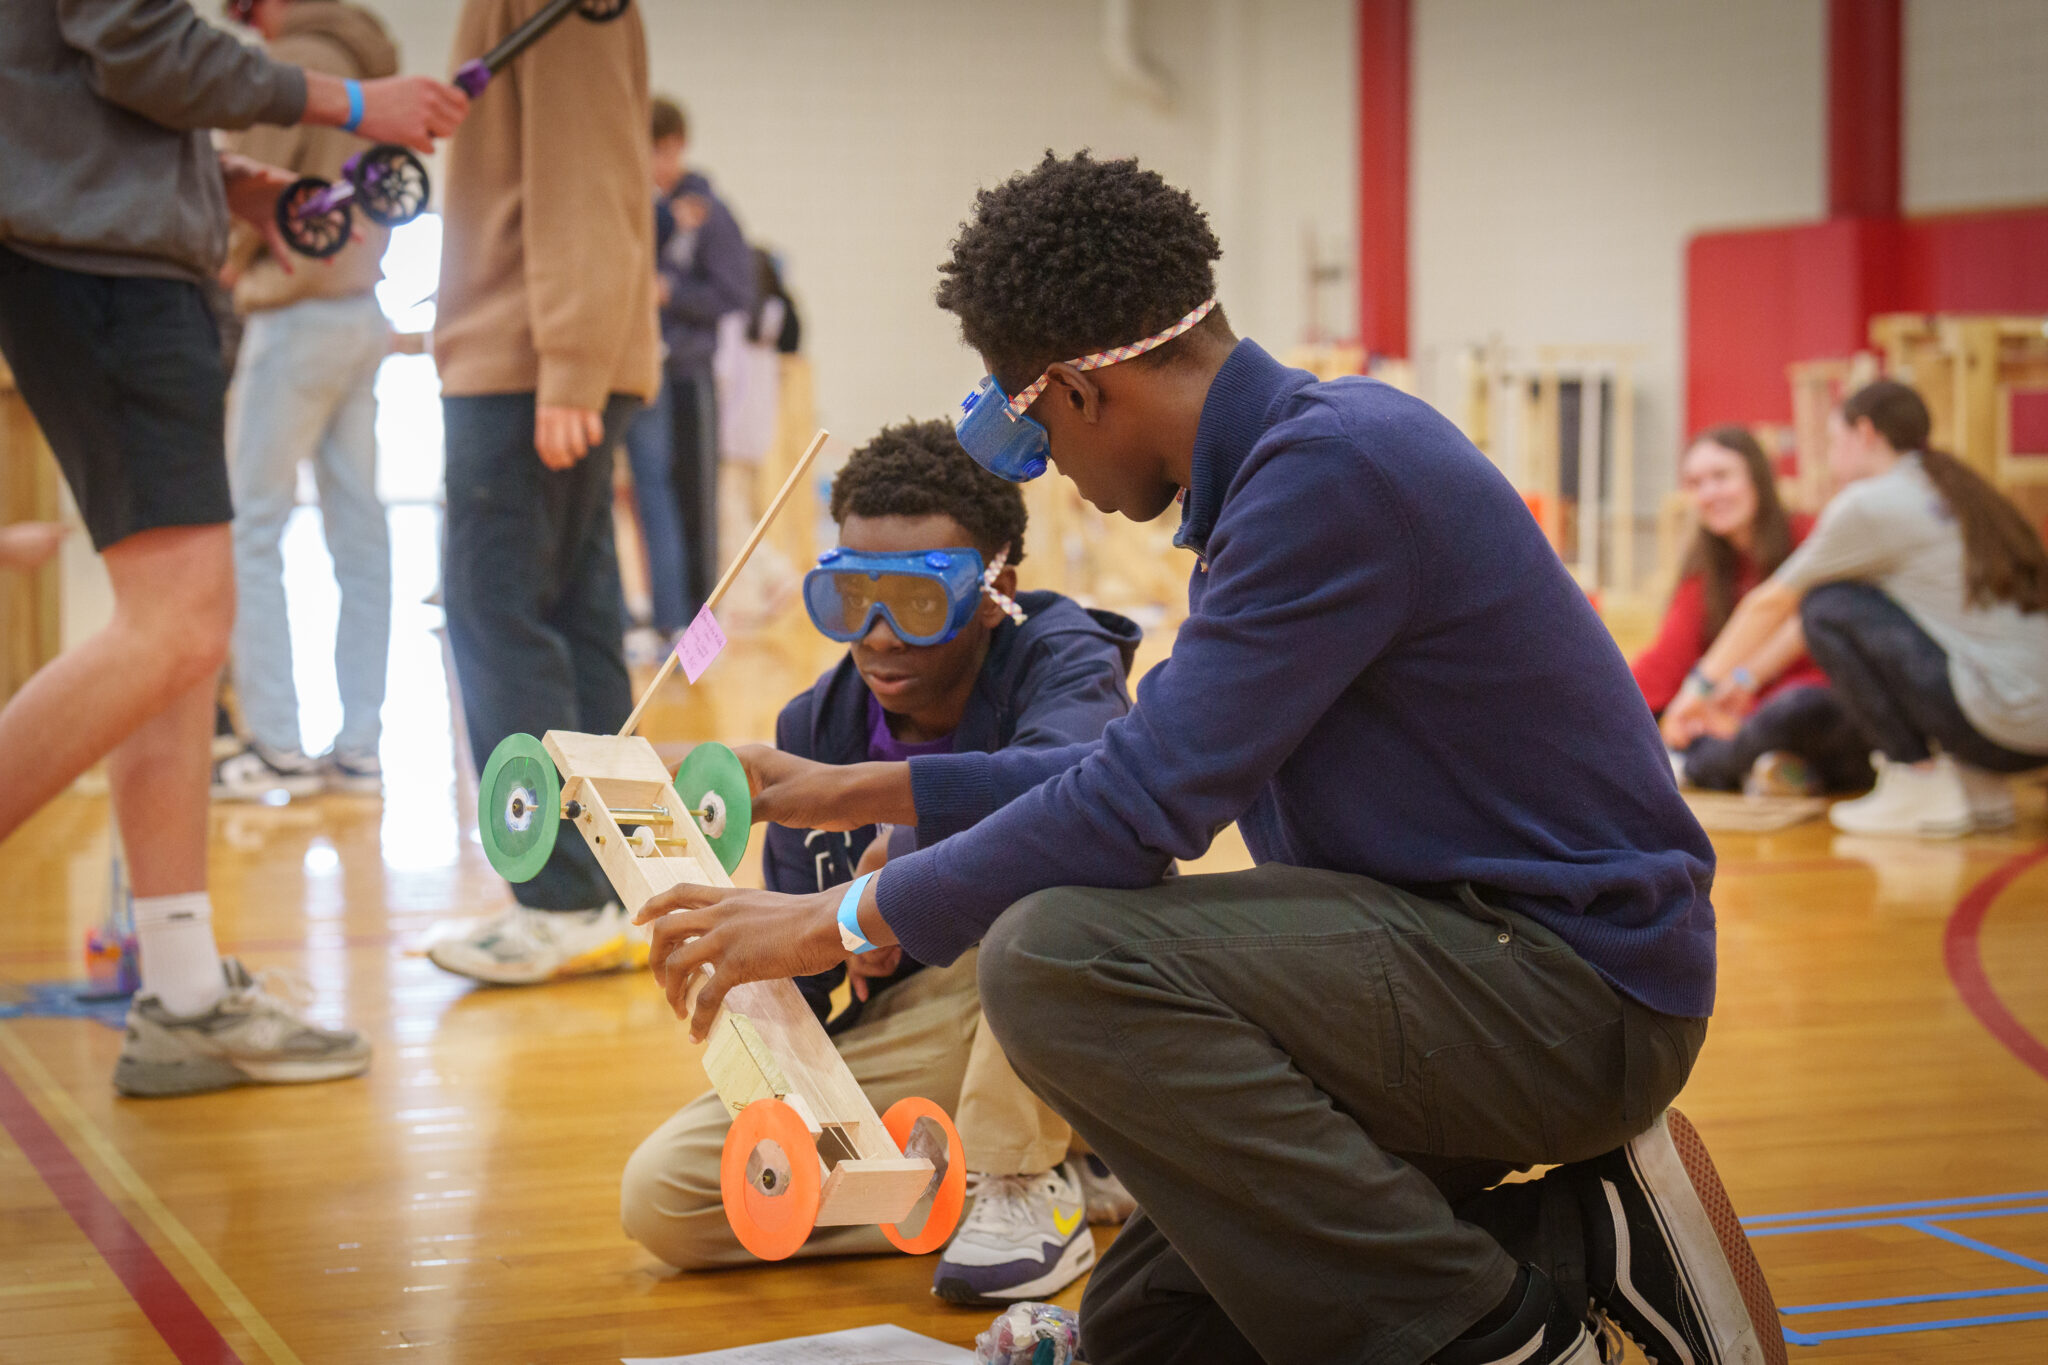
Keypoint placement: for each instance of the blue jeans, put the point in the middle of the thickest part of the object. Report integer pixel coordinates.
(535, 620)
(650, 446)
(303, 391)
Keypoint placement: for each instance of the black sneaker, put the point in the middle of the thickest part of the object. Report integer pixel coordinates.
(1666, 1260)
(1543, 1331)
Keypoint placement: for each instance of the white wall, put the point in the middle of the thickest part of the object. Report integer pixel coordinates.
(1976, 104)
(850, 137)
(1563, 154)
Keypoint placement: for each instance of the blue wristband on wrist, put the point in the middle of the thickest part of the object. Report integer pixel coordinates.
(1742, 678)
(355, 105)
(849, 915)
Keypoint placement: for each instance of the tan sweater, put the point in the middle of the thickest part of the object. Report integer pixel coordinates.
(342, 40)
(547, 259)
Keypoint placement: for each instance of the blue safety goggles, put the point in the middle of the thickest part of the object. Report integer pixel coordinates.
(1005, 444)
(926, 596)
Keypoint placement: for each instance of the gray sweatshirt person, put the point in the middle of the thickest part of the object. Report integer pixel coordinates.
(106, 165)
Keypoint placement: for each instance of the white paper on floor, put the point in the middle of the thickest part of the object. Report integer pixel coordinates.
(882, 1345)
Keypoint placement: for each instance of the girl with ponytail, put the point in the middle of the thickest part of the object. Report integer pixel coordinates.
(1923, 593)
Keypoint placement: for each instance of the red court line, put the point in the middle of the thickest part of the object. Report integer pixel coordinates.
(184, 1327)
(1965, 958)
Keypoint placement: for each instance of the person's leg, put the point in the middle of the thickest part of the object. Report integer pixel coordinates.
(693, 409)
(1889, 673)
(1894, 679)
(589, 613)
(650, 446)
(1809, 722)
(280, 402)
(125, 377)
(912, 1039)
(1004, 1128)
(1026, 1236)
(504, 564)
(1249, 1052)
(173, 601)
(358, 536)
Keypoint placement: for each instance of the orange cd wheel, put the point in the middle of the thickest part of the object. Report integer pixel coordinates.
(921, 1128)
(769, 1179)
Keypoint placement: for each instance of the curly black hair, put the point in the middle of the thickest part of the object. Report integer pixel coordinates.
(915, 469)
(1073, 257)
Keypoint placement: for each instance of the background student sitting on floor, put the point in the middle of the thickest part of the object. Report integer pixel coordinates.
(1796, 735)
(939, 663)
(1924, 594)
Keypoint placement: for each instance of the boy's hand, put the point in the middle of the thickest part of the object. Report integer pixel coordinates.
(253, 189)
(743, 936)
(562, 436)
(803, 794)
(409, 110)
(29, 544)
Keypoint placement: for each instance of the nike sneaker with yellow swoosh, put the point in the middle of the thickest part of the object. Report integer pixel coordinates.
(1025, 1238)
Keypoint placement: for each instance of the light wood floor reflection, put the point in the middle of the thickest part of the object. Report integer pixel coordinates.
(459, 1203)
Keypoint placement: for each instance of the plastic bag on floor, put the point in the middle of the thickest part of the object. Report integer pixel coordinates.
(1031, 1334)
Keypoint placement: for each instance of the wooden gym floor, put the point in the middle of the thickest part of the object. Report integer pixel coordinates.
(1875, 1092)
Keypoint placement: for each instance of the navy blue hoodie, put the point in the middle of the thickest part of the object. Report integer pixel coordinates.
(1385, 671)
(1056, 680)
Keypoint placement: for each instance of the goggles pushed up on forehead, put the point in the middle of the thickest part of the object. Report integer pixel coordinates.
(926, 596)
(992, 427)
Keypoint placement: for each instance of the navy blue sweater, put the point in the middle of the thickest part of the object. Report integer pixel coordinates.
(709, 275)
(1051, 682)
(1385, 670)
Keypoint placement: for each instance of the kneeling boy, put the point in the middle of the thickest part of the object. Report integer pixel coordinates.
(943, 659)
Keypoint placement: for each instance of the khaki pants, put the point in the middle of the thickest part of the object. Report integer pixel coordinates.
(923, 1037)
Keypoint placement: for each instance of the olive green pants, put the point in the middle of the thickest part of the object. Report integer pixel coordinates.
(1297, 1073)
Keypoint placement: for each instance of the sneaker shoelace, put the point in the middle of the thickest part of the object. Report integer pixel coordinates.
(1002, 1206)
(281, 989)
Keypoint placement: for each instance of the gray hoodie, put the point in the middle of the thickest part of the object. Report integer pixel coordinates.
(105, 161)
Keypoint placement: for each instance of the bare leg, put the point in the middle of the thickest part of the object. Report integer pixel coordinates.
(144, 684)
(159, 778)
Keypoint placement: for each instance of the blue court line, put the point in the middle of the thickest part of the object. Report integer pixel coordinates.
(1916, 1206)
(1904, 1299)
(1845, 1223)
(1798, 1338)
(1971, 1243)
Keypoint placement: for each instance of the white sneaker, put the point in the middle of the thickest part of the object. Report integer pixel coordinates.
(257, 772)
(1989, 796)
(247, 1037)
(523, 947)
(1920, 800)
(1025, 1238)
(1108, 1201)
(353, 774)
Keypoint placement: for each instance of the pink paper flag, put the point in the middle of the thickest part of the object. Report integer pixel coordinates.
(700, 644)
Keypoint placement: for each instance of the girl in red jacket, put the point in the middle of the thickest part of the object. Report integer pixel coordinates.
(1786, 729)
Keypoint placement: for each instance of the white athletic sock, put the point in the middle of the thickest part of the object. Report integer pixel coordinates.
(180, 961)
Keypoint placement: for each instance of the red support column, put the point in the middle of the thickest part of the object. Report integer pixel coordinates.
(1383, 102)
(1864, 79)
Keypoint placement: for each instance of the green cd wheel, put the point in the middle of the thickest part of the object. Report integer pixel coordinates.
(519, 807)
(713, 784)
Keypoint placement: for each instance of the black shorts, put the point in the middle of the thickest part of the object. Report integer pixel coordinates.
(124, 376)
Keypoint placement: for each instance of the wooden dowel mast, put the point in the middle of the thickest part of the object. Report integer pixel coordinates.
(732, 570)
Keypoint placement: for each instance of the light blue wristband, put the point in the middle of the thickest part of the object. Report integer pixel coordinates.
(849, 916)
(355, 105)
